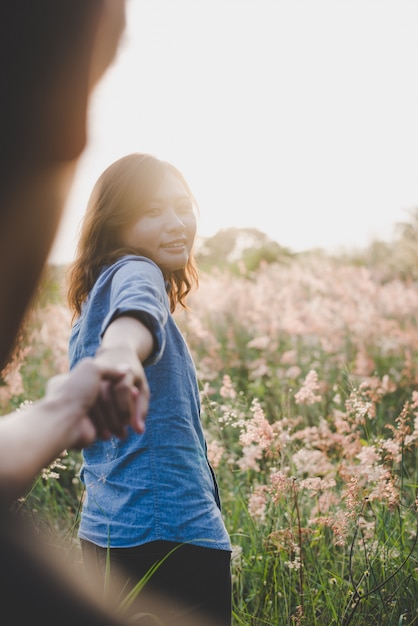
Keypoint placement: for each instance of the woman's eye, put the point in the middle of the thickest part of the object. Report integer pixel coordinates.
(152, 210)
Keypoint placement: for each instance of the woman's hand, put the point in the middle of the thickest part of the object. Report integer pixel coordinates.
(123, 394)
(126, 344)
(98, 401)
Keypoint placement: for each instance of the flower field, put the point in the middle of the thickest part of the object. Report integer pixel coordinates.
(309, 384)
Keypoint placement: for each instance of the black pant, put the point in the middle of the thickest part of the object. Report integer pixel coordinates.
(196, 581)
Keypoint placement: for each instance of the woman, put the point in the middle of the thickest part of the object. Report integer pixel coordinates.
(153, 494)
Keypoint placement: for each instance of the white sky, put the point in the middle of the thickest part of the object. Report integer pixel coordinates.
(296, 117)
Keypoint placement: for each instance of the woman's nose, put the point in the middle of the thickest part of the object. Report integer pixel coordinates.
(175, 221)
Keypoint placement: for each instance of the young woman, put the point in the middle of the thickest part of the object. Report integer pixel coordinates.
(153, 494)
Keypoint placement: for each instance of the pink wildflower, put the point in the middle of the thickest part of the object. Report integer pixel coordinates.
(227, 390)
(215, 453)
(12, 377)
(368, 456)
(250, 456)
(338, 522)
(352, 496)
(306, 394)
(14, 381)
(340, 528)
(257, 503)
(364, 365)
(316, 484)
(327, 499)
(312, 462)
(293, 372)
(385, 489)
(415, 399)
(393, 449)
(54, 332)
(289, 357)
(257, 430)
(360, 409)
(413, 437)
(295, 563)
(261, 343)
(279, 484)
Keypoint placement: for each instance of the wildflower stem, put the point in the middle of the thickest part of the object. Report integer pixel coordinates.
(301, 584)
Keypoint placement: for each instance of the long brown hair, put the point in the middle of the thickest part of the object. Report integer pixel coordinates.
(117, 199)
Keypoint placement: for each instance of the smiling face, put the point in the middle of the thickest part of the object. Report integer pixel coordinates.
(166, 229)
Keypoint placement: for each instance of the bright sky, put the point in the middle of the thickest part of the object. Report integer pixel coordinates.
(296, 117)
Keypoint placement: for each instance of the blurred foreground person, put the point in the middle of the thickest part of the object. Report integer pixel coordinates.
(53, 52)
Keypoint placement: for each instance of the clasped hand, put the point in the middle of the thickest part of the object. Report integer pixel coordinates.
(102, 400)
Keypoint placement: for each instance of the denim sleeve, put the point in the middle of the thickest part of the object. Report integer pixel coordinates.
(138, 290)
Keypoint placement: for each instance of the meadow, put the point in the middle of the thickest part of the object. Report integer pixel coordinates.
(308, 367)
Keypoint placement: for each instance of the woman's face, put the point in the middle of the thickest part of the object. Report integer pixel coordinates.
(166, 229)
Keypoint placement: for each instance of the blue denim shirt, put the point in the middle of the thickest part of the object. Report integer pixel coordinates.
(158, 485)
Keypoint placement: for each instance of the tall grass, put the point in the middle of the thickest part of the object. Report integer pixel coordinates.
(309, 387)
